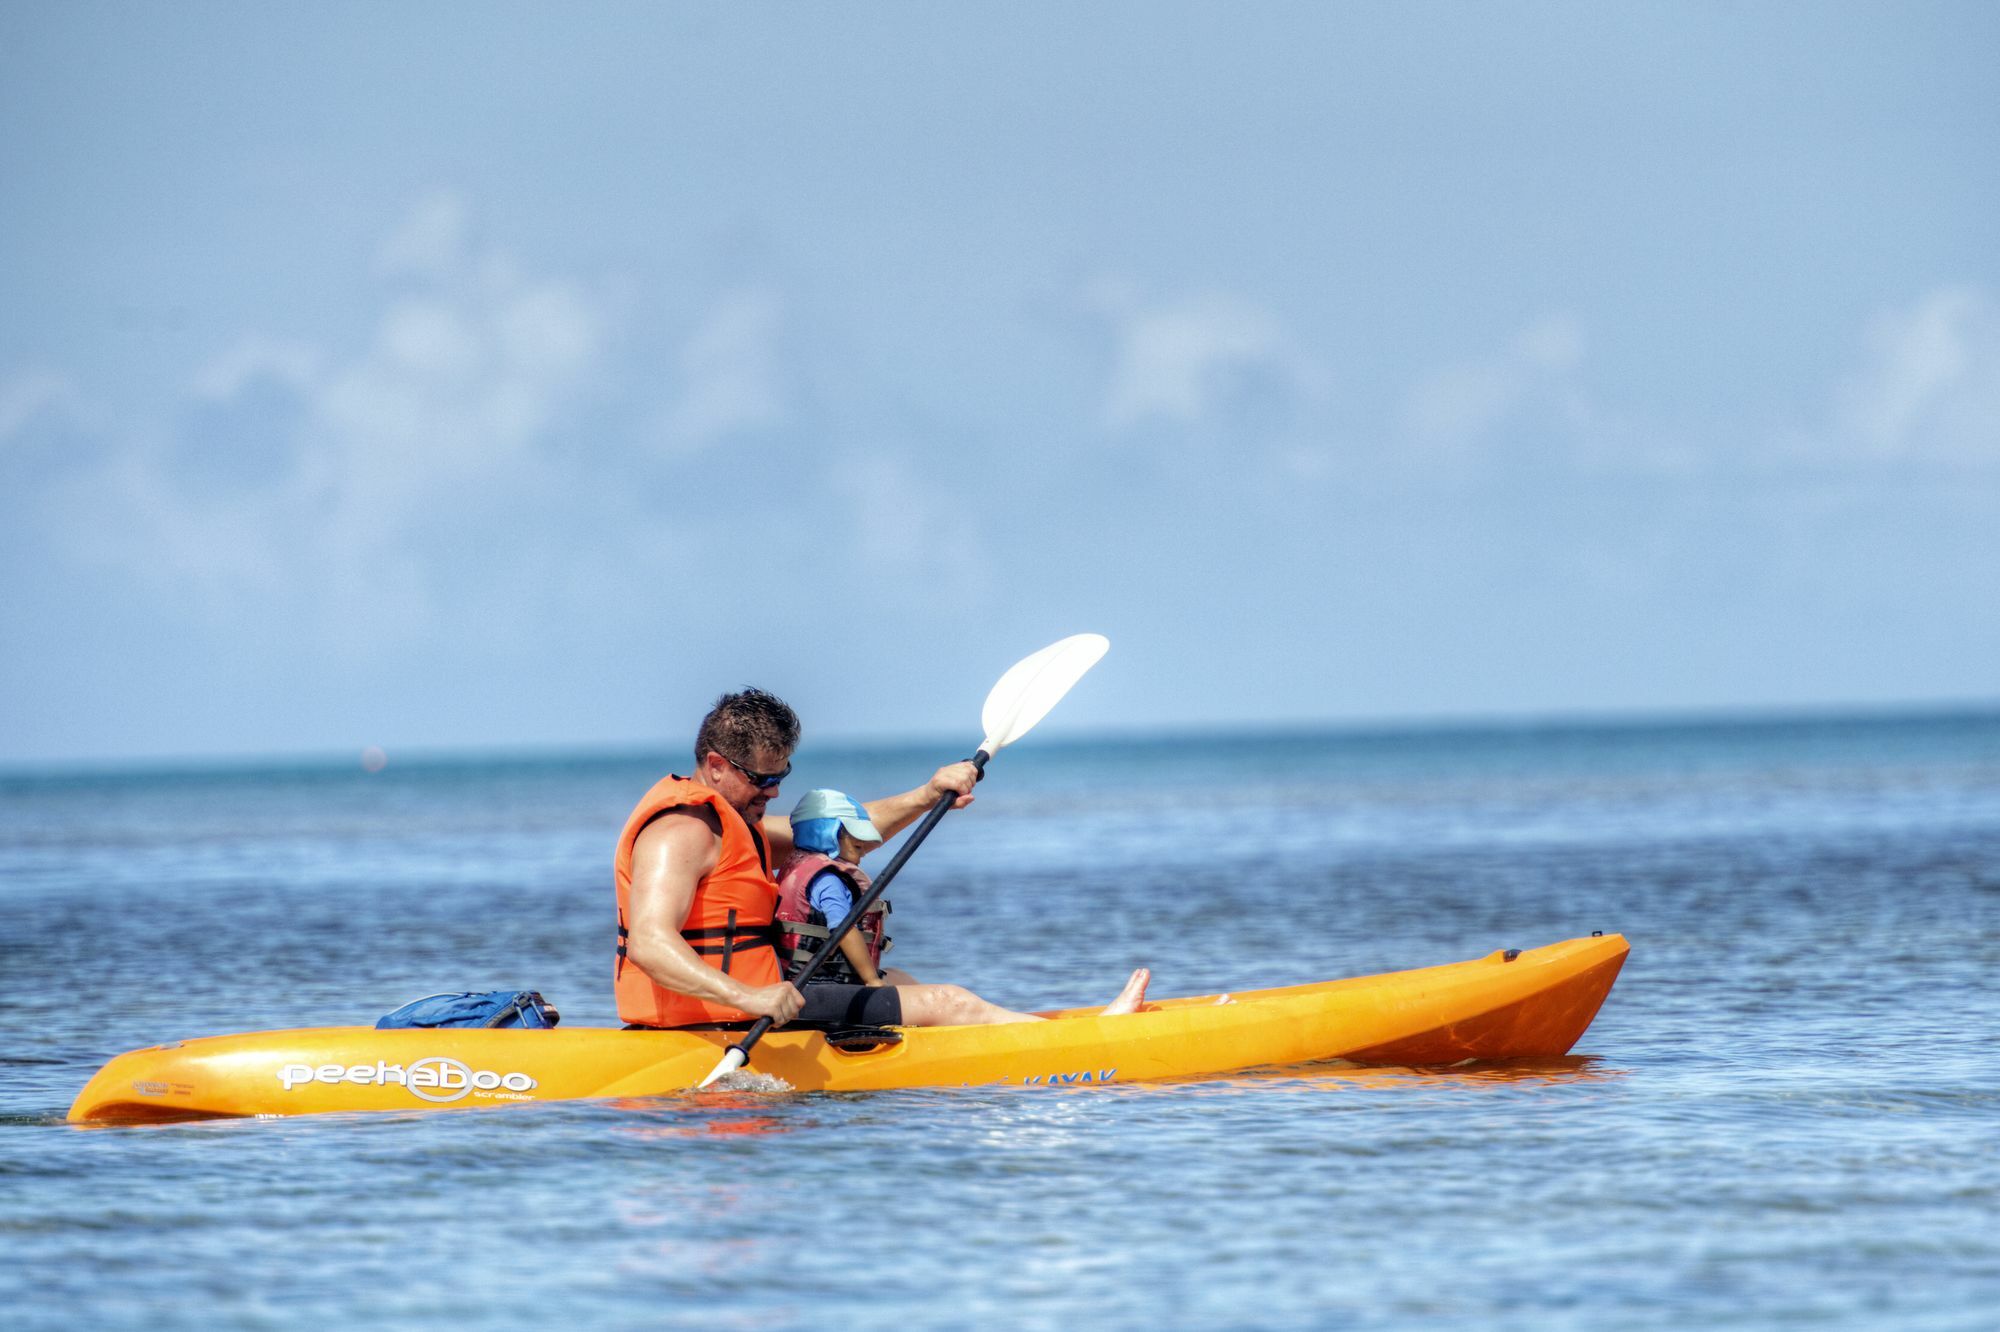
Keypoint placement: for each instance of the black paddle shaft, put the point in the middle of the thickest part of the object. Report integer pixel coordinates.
(866, 900)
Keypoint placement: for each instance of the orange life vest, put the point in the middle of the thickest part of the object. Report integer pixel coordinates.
(729, 923)
(806, 930)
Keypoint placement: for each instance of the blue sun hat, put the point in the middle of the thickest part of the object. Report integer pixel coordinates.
(820, 815)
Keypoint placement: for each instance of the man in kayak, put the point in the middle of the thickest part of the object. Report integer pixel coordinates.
(697, 929)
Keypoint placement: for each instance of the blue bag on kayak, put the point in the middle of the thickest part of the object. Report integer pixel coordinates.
(494, 1008)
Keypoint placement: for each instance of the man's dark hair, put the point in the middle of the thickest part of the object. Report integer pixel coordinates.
(742, 723)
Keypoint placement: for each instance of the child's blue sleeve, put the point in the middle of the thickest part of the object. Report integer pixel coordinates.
(829, 896)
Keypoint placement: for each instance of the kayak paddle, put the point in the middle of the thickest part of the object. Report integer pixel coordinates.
(1023, 697)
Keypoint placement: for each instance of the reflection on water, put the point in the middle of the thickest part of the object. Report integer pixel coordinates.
(1473, 1074)
(718, 1111)
(1784, 1113)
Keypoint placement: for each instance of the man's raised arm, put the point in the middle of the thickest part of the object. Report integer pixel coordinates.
(890, 814)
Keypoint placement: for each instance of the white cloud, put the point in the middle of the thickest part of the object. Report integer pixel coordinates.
(224, 551)
(1177, 361)
(448, 399)
(549, 330)
(431, 339)
(1929, 387)
(730, 375)
(1924, 389)
(1453, 408)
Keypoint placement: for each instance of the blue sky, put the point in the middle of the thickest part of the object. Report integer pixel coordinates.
(481, 376)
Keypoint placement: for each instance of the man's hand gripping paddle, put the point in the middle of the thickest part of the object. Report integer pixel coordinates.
(1023, 697)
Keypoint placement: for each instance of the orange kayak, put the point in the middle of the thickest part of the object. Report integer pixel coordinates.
(1515, 1004)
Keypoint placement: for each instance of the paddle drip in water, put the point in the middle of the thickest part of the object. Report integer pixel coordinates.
(750, 1080)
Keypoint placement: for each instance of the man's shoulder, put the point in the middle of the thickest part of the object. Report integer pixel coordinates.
(681, 821)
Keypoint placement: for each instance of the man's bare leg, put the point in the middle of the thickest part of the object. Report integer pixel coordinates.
(956, 1006)
(953, 1006)
(1131, 996)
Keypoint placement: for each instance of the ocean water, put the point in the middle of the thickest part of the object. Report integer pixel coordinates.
(1788, 1112)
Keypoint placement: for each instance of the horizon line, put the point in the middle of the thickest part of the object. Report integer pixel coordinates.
(1584, 720)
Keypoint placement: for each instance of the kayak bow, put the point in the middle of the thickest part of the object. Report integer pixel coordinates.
(1508, 1005)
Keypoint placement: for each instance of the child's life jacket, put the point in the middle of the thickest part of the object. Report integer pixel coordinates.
(805, 931)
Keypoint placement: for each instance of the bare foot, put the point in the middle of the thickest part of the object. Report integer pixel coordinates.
(1131, 996)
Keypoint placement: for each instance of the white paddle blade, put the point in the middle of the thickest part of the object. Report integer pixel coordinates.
(730, 1063)
(1034, 685)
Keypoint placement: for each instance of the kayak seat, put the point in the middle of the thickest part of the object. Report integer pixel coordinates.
(862, 1040)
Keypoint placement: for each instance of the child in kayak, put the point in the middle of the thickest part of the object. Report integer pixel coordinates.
(819, 885)
(821, 881)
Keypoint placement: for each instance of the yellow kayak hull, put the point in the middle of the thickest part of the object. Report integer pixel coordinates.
(1535, 1004)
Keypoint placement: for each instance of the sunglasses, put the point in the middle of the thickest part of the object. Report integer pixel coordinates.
(763, 781)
